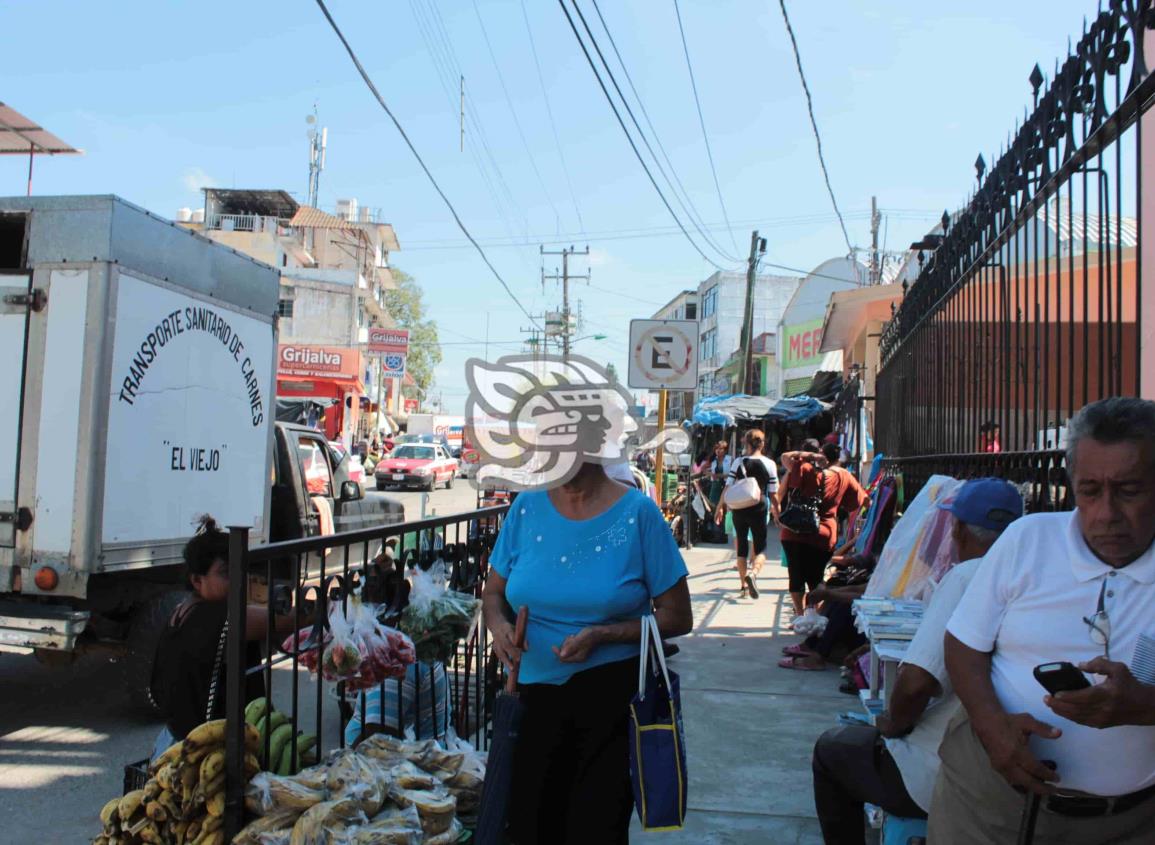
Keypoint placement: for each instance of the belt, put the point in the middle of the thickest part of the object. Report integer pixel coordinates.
(1085, 806)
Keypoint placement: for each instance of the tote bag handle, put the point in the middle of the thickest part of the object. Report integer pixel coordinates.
(651, 650)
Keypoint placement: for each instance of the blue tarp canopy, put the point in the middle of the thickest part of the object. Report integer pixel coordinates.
(738, 408)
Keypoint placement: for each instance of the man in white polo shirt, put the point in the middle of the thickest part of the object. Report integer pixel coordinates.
(1076, 587)
(893, 764)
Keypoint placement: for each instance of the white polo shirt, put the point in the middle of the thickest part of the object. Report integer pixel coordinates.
(1026, 605)
(916, 754)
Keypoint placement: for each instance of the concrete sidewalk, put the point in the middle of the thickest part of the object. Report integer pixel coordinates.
(750, 726)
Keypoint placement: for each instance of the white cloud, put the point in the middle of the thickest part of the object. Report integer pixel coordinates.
(194, 179)
(599, 258)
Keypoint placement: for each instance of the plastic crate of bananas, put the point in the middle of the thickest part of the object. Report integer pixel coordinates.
(183, 799)
(383, 792)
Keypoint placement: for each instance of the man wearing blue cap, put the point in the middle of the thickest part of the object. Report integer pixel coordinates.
(894, 764)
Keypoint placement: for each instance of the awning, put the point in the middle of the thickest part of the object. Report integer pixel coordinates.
(740, 408)
(296, 409)
(21, 136)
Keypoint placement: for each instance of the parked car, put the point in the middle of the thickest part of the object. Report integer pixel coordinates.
(420, 465)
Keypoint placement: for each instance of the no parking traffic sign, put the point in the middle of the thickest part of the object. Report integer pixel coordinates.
(663, 354)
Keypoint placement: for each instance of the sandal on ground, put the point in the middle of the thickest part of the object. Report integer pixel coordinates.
(796, 650)
(752, 586)
(798, 663)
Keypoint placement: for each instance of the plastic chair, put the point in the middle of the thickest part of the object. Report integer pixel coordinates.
(899, 831)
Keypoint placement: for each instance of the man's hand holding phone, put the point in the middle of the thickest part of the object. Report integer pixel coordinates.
(1119, 700)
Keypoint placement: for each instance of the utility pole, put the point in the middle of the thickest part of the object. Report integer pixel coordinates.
(875, 219)
(757, 246)
(564, 278)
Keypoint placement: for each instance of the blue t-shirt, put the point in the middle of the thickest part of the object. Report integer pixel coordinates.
(575, 573)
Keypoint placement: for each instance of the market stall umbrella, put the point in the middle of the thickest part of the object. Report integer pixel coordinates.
(507, 713)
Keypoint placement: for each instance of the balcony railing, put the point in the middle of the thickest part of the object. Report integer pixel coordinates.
(257, 223)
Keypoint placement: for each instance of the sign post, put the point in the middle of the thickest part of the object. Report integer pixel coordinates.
(663, 357)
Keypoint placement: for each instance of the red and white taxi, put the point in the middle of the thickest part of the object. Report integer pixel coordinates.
(420, 465)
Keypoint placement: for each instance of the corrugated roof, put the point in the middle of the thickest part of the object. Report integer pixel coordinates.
(21, 136)
(314, 218)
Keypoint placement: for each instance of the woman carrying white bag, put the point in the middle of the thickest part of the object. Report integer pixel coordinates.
(752, 480)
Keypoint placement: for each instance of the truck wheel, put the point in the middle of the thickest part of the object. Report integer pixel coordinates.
(431, 483)
(146, 623)
(380, 485)
(449, 481)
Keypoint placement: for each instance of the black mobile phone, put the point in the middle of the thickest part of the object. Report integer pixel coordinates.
(1060, 677)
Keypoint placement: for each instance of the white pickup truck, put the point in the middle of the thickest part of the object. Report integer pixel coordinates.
(137, 392)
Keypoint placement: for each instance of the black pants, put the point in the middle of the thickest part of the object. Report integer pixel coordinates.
(752, 520)
(571, 769)
(806, 564)
(852, 767)
(839, 630)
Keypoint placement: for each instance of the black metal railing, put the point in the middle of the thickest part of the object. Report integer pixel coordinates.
(1029, 307)
(301, 581)
(1040, 476)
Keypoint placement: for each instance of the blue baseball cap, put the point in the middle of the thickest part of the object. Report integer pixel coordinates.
(989, 503)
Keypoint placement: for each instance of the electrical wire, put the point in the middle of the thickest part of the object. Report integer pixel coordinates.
(513, 111)
(814, 123)
(453, 211)
(683, 197)
(702, 121)
(622, 124)
(552, 123)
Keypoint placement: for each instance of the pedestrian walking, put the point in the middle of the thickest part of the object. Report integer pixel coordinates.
(750, 517)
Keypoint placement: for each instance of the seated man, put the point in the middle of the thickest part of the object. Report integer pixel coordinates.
(893, 765)
(1074, 587)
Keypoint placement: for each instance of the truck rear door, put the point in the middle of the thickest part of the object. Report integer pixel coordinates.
(15, 305)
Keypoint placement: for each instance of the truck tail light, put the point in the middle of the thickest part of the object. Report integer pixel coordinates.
(46, 578)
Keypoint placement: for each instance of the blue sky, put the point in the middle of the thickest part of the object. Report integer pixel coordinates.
(166, 98)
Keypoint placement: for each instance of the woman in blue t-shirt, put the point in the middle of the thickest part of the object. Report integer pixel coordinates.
(588, 559)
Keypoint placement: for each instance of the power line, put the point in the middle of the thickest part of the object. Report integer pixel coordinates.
(552, 123)
(417, 155)
(512, 110)
(814, 123)
(684, 197)
(702, 120)
(622, 123)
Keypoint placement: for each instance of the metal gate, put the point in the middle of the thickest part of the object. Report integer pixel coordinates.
(1029, 304)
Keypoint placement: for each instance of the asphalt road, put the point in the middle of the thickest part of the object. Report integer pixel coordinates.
(65, 735)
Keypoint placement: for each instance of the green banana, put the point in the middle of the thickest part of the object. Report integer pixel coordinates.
(255, 710)
(285, 764)
(276, 719)
(277, 741)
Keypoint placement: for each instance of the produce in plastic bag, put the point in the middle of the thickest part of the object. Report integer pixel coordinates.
(384, 749)
(277, 823)
(408, 776)
(268, 793)
(436, 617)
(395, 826)
(811, 622)
(436, 808)
(465, 785)
(323, 823)
(450, 836)
(359, 778)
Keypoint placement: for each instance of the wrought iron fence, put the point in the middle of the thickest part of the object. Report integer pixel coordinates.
(301, 581)
(1030, 305)
(1040, 476)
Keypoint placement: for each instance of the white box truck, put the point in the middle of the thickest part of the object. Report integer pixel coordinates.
(137, 392)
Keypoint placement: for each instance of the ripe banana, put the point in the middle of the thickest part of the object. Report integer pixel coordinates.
(212, 765)
(128, 806)
(108, 814)
(256, 709)
(171, 755)
(208, 788)
(215, 805)
(167, 775)
(252, 765)
(193, 831)
(150, 834)
(209, 733)
(156, 811)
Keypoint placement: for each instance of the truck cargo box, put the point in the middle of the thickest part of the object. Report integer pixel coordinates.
(136, 387)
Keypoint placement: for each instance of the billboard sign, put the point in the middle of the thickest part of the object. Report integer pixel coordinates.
(801, 343)
(393, 364)
(383, 340)
(298, 360)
